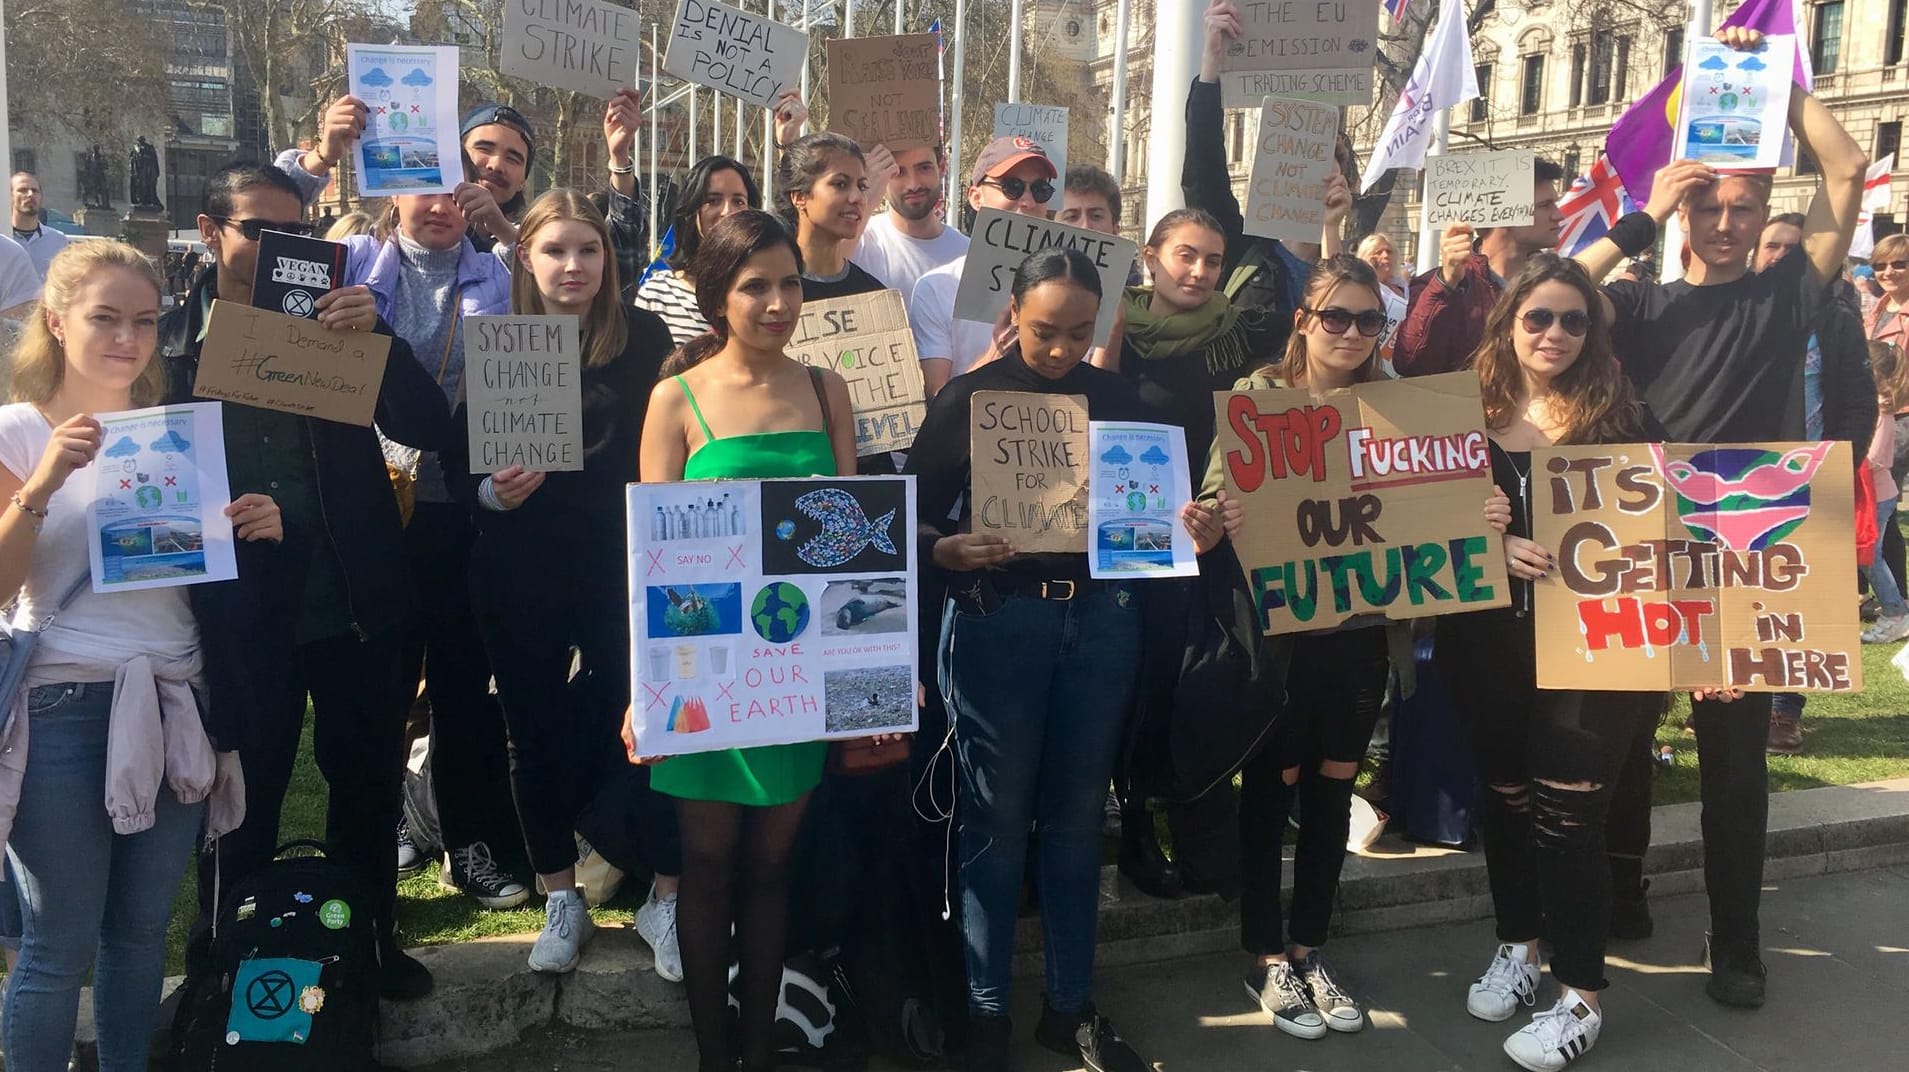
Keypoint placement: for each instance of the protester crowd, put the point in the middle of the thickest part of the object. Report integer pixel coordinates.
(371, 562)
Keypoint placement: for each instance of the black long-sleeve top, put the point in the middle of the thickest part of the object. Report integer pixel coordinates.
(1279, 277)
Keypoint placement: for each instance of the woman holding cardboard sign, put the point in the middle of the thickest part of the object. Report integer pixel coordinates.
(1548, 757)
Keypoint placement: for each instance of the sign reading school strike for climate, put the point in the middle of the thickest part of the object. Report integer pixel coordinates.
(1000, 241)
(1482, 189)
(1043, 124)
(1684, 566)
(287, 363)
(884, 91)
(730, 50)
(1028, 466)
(584, 45)
(523, 382)
(1285, 198)
(1319, 50)
(1370, 500)
(865, 339)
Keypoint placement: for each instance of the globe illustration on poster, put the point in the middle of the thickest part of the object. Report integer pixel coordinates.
(780, 612)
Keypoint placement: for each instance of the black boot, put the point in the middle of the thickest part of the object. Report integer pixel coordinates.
(1141, 858)
(988, 1038)
(1630, 913)
(1737, 974)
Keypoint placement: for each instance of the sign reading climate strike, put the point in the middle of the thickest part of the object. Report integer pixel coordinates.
(1685, 566)
(1370, 500)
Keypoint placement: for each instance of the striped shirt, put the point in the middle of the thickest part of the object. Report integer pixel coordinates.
(666, 293)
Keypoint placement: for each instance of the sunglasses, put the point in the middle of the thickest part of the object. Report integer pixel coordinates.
(1538, 321)
(1894, 266)
(1014, 188)
(252, 229)
(1336, 320)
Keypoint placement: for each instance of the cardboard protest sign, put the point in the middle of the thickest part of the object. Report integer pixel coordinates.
(523, 384)
(1043, 124)
(1684, 566)
(730, 50)
(1370, 500)
(866, 339)
(1482, 189)
(273, 361)
(584, 45)
(885, 91)
(293, 272)
(1029, 468)
(1285, 198)
(999, 243)
(1298, 48)
(771, 611)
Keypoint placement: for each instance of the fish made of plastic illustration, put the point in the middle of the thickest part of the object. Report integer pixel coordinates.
(846, 529)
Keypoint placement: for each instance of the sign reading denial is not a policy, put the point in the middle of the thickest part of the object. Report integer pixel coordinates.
(1028, 460)
(583, 45)
(1368, 501)
(1314, 49)
(1286, 196)
(730, 50)
(884, 91)
(1685, 566)
(1482, 189)
(523, 386)
(1002, 240)
(262, 358)
(865, 339)
(1043, 124)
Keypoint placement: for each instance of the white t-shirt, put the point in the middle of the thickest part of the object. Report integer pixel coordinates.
(19, 280)
(899, 260)
(97, 628)
(938, 334)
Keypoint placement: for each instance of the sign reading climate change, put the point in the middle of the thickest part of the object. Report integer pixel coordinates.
(771, 611)
(1685, 566)
(1370, 500)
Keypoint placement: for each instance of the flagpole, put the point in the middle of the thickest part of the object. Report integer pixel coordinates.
(1117, 137)
(1179, 35)
(1017, 13)
(1428, 241)
(957, 186)
(656, 127)
(1672, 268)
(848, 18)
(900, 13)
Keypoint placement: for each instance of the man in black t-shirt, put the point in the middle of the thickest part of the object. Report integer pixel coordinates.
(1717, 356)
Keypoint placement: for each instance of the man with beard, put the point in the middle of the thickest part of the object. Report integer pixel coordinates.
(908, 241)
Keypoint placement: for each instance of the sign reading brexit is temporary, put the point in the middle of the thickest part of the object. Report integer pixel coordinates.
(1368, 500)
(1002, 240)
(1482, 189)
(730, 50)
(1318, 50)
(1684, 566)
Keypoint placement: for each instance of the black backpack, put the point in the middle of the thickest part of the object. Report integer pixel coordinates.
(290, 980)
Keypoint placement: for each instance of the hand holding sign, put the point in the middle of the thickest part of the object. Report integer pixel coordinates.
(348, 309)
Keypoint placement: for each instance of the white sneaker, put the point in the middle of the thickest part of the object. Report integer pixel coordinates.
(1508, 983)
(1887, 630)
(567, 927)
(1557, 1036)
(656, 923)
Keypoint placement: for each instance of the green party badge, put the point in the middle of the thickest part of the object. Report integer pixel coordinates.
(335, 914)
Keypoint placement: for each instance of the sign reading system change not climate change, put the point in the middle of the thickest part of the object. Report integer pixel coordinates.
(523, 379)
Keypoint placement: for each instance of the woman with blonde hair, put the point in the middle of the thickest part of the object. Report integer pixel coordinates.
(110, 703)
(358, 222)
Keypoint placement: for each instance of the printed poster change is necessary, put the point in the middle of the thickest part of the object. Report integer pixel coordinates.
(1299, 48)
(730, 50)
(1482, 189)
(1028, 469)
(267, 359)
(410, 144)
(1137, 487)
(294, 272)
(1684, 566)
(1285, 198)
(1734, 107)
(771, 611)
(1043, 124)
(523, 380)
(1368, 501)
(1000, 241)
(885, 91)
(866, 340)
(584, 45)
(157, 519)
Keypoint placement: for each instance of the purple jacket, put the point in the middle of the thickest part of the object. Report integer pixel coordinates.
(484, 280)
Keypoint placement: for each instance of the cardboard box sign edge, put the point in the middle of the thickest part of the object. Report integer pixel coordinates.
(377, 352)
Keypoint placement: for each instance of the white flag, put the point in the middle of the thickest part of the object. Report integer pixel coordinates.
(1875, 199)
(1442, 78)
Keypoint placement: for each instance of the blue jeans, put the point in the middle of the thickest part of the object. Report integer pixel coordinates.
(89, 898)
(1882, 581)
(1040, 692)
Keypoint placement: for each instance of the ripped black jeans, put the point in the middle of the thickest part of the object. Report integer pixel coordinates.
(1549, 760)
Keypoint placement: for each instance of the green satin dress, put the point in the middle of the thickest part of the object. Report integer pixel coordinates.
(773, 774)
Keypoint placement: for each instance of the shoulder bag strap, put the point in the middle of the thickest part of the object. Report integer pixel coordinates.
(822, 396)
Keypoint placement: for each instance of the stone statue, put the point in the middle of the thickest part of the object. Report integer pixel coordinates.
(93, 180)
(142, 171)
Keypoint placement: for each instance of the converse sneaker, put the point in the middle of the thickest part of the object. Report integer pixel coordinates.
(472, 870)
(410, 860)
(1284, 997)
(1509, 982)
(567, 927)
(1102, 1049)
(656, 924)
(1557, 1036)
(1341, 1012)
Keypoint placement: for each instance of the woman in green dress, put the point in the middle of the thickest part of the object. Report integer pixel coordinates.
(732, 405)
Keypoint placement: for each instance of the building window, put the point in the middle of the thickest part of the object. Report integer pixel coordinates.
(1571, 162)
(1532, 99)
(1826, 38)
(1888, 139)
(1239, 136)
(1481, 104)
(1892, 41)
(1621, 69)
(1577, 74)
(1673, 49)
(26, 160)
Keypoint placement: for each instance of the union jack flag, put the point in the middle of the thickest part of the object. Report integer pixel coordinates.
(1396, 9)
(1594, 202)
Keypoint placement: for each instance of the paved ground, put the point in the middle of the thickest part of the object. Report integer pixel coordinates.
(1837, 947)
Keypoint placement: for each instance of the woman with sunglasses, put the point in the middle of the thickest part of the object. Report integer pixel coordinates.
(1548, 757)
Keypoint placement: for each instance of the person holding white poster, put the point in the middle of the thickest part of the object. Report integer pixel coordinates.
(735, 405)
(112, 793)
(1036, 747)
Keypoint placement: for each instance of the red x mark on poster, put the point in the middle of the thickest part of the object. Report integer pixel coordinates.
(656, 562)
(722, 690)
(125, 485)
(656, 695)
(172, 481)
(1153, 489)
(735, 557)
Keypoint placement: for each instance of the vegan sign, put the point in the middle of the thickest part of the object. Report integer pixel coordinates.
(884, 91)
(1002, 240)
(1684, 566)
(866, 339)
(1043, 124)
(1483, 189)
(267, 359)
(1367, 501)
(1286, 197)
(728, 49)
(1316, 49)
(584, 45)
(523, 380)
(1028, 455)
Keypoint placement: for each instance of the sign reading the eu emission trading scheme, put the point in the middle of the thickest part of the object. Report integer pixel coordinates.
(1317, 50)
(1684, 566)
(1370, 500)
(728, 49)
